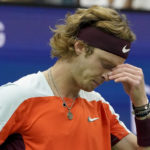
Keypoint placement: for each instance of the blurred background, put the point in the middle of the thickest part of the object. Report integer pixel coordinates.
(25, 34)
(118, 4)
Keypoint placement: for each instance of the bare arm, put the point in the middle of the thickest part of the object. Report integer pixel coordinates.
(132, 79)
(129, 143)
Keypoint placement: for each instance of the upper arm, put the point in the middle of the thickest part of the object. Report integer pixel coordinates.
(129, 142)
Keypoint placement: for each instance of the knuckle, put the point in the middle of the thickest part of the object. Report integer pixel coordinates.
(138, 82)
(141, 73)
(124, 74)
(139, 78)
(126, 78)
(140, 70)
(125, 65)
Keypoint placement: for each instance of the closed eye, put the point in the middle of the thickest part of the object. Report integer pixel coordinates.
(107, 65)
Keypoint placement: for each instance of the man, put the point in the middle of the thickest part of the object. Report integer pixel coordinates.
(58, 109)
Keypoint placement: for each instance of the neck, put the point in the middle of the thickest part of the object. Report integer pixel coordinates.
(62, 82)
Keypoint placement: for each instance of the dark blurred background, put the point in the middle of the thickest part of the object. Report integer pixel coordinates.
(25, 34)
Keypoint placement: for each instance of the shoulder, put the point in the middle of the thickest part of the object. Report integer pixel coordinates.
(14, 94)
(97, 97)
(28, 86)
(92, 96)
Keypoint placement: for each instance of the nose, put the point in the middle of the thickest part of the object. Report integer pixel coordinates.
(105, 76)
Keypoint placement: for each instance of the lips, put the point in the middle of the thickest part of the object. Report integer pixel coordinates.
(98, 82)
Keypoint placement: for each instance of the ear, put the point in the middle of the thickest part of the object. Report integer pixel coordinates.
(79, 47)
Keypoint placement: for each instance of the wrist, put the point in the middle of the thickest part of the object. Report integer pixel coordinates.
(141, 102)
(141, 112)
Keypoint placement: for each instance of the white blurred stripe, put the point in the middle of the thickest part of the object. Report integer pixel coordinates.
(147, 88)
(88, 3)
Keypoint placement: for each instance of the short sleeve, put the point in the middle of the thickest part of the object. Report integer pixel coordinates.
(10, 121)
(118, 128)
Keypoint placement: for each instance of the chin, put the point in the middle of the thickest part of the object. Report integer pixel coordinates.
(88, 89)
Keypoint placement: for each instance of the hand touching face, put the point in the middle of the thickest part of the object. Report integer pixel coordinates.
(132, 79)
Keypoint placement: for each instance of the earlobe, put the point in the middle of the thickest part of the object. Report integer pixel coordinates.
(79, 48)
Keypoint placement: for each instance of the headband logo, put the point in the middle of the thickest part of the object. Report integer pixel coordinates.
(96, 37)
(125, 50)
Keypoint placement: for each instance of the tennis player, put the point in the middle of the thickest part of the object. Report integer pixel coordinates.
(59, 109)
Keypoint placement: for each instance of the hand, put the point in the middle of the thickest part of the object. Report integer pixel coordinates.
(132, 79)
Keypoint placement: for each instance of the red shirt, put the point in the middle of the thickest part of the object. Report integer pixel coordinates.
(30, 108)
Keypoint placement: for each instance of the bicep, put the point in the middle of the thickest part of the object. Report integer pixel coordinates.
(129, 142)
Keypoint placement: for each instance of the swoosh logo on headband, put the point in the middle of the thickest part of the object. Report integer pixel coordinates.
(125, 50)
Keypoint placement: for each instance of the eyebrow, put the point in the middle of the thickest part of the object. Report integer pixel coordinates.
(110, 62)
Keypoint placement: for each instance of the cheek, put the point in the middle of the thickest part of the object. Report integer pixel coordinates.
(91, 73)
(87, 69)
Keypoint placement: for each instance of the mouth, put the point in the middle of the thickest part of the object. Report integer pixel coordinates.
(96, 83)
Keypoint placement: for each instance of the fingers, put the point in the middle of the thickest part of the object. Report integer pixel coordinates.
(124, 76)
(127, 68)
(126, 73)
(132, 79)
(127, 65)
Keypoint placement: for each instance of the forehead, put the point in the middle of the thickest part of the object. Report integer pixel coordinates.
(109, 57)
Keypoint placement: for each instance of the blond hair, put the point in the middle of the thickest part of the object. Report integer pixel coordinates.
(107, 19)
